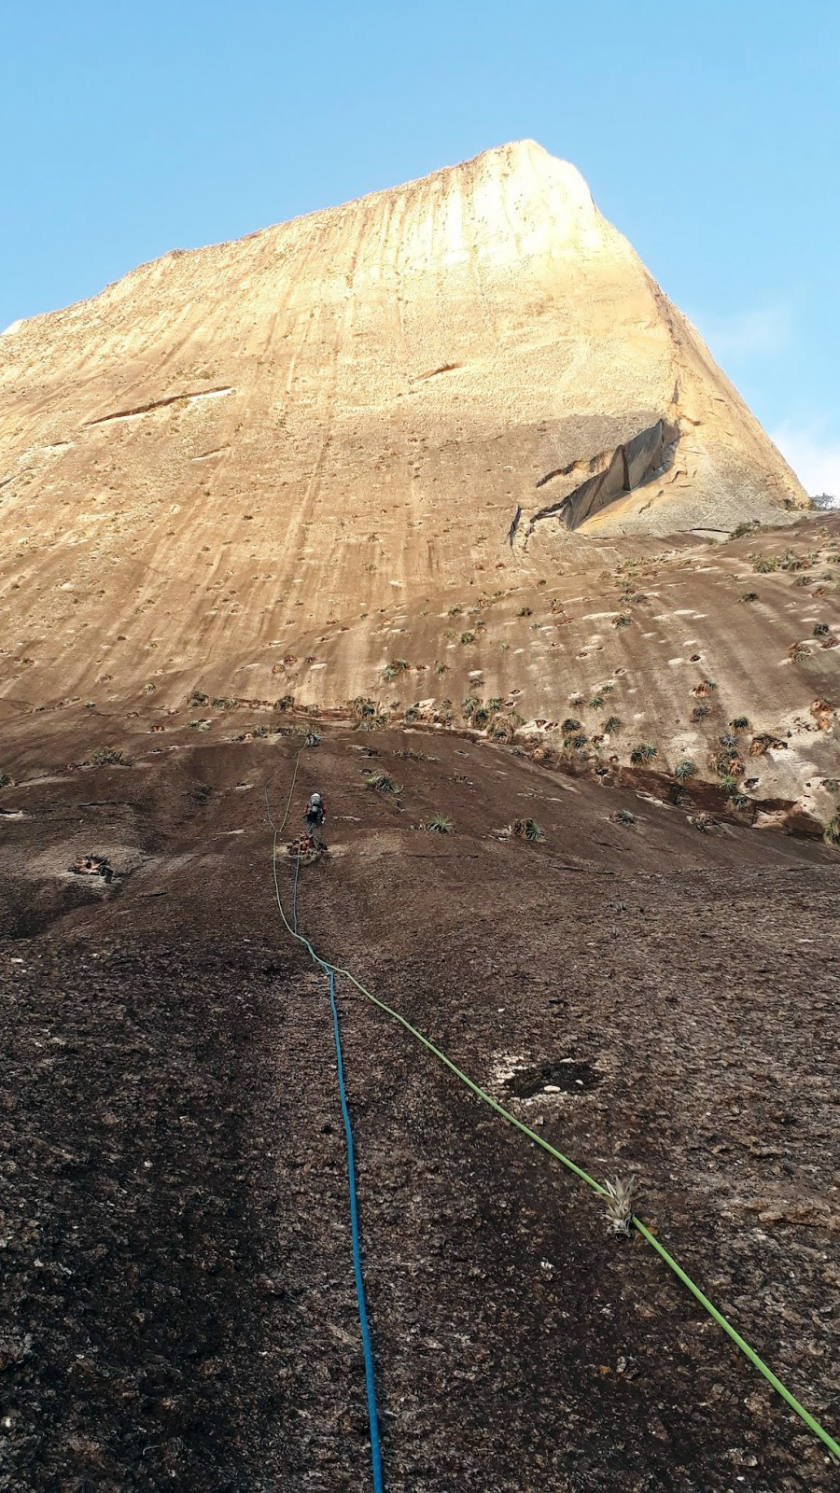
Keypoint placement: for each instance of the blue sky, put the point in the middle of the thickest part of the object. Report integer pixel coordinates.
(709, 134)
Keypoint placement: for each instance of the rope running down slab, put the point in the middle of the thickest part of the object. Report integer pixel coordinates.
(758, 1363)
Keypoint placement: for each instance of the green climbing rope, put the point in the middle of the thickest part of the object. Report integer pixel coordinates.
(337, 969)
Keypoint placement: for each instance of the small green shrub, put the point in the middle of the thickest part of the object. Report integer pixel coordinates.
(149, 688)
(570, 725)
(611, 725)
(441, 668)
(395, 667)
(765, 564)
(622, 621)
(623, 816)
(596, 702)
(440, 825)
(480, 717)
(469, 704)
(745, 528)
(740, 723)
(728, 785)
(684, 770)
(699, 712)
(644, 752)
(380, 782)
(284, 703)
(750, 596)
(527, 829)
(832, 828)
(524, 612)
(6, 780)
(412, 714)
(467, 637)
(108, 757)
(198, 697)
(729, 741)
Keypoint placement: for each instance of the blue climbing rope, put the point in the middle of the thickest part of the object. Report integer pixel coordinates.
(367, 1346)
(370, 1385)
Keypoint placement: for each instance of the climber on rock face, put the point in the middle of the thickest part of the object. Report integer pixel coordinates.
(314, 814)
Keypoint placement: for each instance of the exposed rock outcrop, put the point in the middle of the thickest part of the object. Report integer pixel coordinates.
(231, 446)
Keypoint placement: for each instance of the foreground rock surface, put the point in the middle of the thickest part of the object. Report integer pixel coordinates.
(177, 1287)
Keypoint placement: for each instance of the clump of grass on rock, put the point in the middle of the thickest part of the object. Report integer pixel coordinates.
(108, 756)
(381, 782)
(440, 825)
(528, 829)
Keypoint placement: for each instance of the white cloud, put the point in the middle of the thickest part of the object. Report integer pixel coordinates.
(814, 456)
(764, 333)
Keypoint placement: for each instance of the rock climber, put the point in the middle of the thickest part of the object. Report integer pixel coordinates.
(314, 814)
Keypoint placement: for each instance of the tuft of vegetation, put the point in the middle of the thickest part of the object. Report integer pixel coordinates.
(684, 770)
(108, 757)
(745, 528)
(750, 596)
(740, 723)
(412, 714)
(619, 1199)
(623, 816)
(740, 801)
(495, 704)
(821, 630)
(394, 668)
(6, 780)
(467, 637)
(765, 564)
(642, 753)
(570, 725)
(576, 742)
(441, 668)
(220, 703)
(832, 828)
(596, 702)
(380, 782)
(622, 621)
(198, 697)
(284, 703)
(729, 741)
(699, 712)
(455, 611)
(728, 785)
(440, 825)
(524, 612)
(480, 717)
(149, 688)
(528, 829)
(469, 704)
(611, 725)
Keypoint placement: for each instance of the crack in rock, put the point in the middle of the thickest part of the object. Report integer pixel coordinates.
(159, 404)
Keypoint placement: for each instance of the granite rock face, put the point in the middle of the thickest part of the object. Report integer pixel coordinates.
(371, 403)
